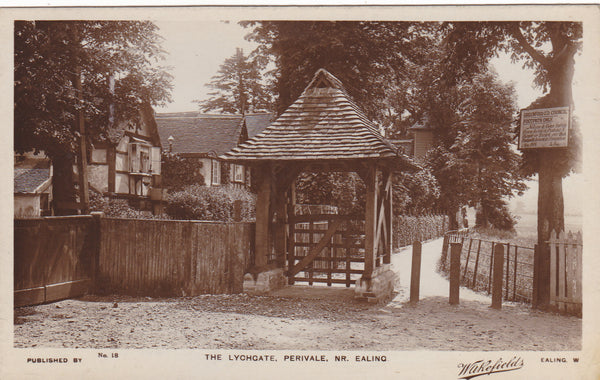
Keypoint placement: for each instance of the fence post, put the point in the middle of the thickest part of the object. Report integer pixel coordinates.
(536, 270)
(95, 259)
(455, 249)
(498, 276)
(415, 274)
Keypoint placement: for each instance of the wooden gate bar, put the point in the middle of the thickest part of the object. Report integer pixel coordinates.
(316, 250)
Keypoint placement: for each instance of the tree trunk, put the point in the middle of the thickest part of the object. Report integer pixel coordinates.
(550, 175)
(63, 187)
(453, 222)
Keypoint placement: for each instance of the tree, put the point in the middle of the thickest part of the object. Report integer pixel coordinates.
(238, 87)
(53, 57)
(473, 157)
(370, 58)
(346, 191)
(549, 48)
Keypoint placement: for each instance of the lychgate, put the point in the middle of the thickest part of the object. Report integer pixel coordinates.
(323, 130)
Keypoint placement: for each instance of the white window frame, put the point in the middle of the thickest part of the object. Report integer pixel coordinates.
(135, 151)
(216, 172)
(238, 173)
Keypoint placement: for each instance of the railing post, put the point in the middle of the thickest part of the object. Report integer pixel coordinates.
(415, 274)
(455, 249)
(498, 276)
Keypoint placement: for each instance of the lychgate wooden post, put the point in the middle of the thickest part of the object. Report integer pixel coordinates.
(263, 222)
(370, 227)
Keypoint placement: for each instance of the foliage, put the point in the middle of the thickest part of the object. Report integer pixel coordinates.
(550, 49)
(179, 172)
(370, 58)
(49, 55)
(237, 87)
(408, 229)
(346, 191)
(415, 193)
(119, 208)
(197, 202)
(473, 158)
(547, 47)
(51, 60)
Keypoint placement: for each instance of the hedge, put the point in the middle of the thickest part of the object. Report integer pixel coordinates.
(407, 228)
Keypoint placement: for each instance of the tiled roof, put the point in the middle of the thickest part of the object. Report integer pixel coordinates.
(194, 132)
(29, 179)
(322, 124)
(256, 123)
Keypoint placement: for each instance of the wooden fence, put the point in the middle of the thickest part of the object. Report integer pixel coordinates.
(477, 265)
(565, 271)
(64, 257)
(185, 258)
(53, 258)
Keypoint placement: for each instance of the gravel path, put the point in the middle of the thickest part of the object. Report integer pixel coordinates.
(306, 319)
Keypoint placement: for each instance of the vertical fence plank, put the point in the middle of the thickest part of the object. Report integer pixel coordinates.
(553, 269)
(515, 273)
(561, 268)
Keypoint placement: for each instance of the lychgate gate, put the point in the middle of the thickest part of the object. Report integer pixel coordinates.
(322, 131)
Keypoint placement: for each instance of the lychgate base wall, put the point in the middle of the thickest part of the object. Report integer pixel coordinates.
(379, 287)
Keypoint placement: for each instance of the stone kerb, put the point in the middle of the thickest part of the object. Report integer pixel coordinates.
(265, 281)
(377, 288)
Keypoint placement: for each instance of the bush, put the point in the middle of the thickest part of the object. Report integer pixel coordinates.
(119, 208)
(197, 202)
(179, 172)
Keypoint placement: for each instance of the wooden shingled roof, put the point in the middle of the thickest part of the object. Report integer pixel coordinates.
(324, 123)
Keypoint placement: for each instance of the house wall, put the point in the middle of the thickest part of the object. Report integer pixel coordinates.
(27, 205)
(206, 171)
(98, 156)
(98, 177)
(423, 142)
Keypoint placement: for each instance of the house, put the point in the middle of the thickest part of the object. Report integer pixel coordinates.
(206, 136)
(32, 185)
(422, 137)
(128, 165)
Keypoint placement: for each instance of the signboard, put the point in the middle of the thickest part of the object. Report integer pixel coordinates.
(544, 128)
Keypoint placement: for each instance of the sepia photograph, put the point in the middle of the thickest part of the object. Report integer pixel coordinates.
(300, 191)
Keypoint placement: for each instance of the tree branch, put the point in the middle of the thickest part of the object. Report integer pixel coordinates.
(515, 30)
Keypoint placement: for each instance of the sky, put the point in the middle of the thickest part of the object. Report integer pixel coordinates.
(197, 49)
